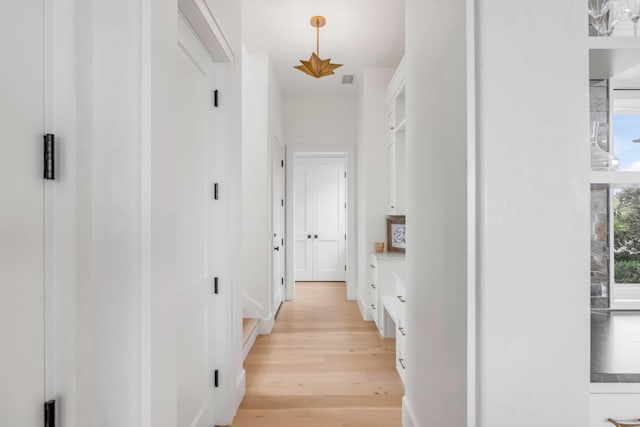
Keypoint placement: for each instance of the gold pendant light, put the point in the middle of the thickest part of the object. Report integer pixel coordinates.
(315, 66)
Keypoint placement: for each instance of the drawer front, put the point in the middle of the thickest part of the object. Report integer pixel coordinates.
(373, 295)
(373, 308)
(402, 308)
(401, 330)
(401, 365)
(401, 290)
(401, 342)
(373, 262)
(620, 407)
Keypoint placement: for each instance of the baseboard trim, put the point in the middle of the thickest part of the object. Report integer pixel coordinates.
(248, 345)
(266, 325)
(241, 386)
(364, 312)
(408, 419)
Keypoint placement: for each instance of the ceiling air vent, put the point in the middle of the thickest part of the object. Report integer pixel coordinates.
(347, 79)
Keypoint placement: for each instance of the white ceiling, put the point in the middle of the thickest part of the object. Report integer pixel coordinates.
(359, 34)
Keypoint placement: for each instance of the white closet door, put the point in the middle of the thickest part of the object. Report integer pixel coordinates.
(194, 305)
(329, 222)
(277, 204)
(303, 226)
(21, 214)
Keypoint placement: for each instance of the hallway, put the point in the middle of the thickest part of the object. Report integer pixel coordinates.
(321, 366)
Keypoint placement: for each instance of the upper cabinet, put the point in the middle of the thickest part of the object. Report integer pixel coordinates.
(396, 119)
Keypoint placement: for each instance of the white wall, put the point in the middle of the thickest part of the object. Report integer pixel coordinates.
(372, 170)
(262, 122)
(436, 132)
(320, 120)
(532, 187)
(533, 223)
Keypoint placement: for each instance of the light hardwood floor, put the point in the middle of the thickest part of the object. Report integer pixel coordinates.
(322, 366)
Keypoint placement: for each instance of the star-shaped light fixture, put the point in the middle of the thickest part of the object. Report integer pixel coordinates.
(315, 66)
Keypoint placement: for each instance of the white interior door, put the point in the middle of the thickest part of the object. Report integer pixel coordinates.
(329, 237)
(278, 225)
(194, 306)
(320, 220)
(303, 251)
(21, 213)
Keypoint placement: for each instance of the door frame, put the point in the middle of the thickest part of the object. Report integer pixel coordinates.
(347, 151)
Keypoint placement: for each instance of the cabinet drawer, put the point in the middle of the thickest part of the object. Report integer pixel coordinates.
(401, 342)
(401, 365)
(373, 262)
(620, 407)
(373, 307)
(401, 308)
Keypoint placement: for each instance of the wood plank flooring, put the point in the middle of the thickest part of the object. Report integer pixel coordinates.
(322, 366)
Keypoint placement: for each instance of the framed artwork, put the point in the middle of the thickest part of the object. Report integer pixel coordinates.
(396, 233)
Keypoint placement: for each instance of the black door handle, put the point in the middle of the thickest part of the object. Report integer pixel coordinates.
(308, 236)
(277, 248)
(315, 236)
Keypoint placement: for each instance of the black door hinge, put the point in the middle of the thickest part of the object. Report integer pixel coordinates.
(282, 241)
(50, 413)
(345, 237)
(281, 163)
(215, 285)
(282, 202)
(282, 280)
(345, 174)
(345, 268)
(49, 156)
(215, 191)
(215, 98)
(216, 377)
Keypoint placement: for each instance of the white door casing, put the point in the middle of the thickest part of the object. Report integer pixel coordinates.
(277, 194)
(194, 328)
(320, 219)
(22, 214)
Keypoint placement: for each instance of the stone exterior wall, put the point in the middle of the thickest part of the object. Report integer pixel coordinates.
(599, 111)
(599, 246)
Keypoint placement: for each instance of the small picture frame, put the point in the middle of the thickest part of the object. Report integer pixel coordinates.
(396, 233)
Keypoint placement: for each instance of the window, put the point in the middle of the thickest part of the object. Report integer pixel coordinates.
(615, 197)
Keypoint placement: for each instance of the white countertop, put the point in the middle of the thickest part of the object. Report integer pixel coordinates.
(380, 256)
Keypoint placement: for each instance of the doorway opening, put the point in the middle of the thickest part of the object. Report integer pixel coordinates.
(319, 217)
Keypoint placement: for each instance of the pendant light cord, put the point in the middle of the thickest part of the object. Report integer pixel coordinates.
(318, 36)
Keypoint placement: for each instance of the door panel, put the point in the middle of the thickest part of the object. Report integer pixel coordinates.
(278, 225)
(329, 247)
(193, 120)
(21, 213)
(302, 224)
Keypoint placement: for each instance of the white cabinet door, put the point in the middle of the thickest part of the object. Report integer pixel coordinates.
(194, 305)
(21, 214)
(320, 221)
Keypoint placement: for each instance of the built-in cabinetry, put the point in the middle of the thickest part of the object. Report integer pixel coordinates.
(394, 321)
(608, 57)
(396, 119)
(381, 283)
